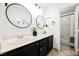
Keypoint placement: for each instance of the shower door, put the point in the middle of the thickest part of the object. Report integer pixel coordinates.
(65, 23)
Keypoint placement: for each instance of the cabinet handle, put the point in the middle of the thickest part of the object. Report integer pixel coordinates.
(44, 41)
(37, 43)
(4, 54)
(41, 49)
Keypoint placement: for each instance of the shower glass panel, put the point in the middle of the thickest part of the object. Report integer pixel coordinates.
(65, 29)
(78, 20)
(65, 24)
(78, 39)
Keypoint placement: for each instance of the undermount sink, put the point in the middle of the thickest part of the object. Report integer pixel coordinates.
(14, 43)
(17, 40)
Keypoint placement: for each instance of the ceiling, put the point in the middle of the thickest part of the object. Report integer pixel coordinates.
(61, 5)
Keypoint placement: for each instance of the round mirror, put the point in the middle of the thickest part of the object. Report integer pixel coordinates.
(18, 15)
(40, 21)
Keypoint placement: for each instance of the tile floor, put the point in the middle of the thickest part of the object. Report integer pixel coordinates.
(54, 52)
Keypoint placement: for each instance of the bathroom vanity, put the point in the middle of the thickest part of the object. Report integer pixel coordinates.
(39, 47)
(20, 22)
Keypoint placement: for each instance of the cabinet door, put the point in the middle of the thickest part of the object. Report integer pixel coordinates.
(28, 50)
(43, 50)
(42, 42)
(50, 45)
(31, 50)
(42, 47)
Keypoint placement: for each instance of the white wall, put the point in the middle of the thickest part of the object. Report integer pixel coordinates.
(53, 10)
(7, 30)
(54, 14)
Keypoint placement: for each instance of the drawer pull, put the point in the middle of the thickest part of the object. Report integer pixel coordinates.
(41, 49)
(45, 41)
(37, 43)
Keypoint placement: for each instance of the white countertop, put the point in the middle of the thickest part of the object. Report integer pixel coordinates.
(10, 44)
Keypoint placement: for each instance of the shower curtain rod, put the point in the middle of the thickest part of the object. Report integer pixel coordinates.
(67, 14)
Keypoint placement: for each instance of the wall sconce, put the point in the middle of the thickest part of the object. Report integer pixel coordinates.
(39, 7)
(36, 4)
(53, 22)
(6, 4)
(46, 25)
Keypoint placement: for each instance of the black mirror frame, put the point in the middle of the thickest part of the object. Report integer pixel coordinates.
(9, 19)
(37, 20)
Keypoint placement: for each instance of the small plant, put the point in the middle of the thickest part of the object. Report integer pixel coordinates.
(34, 31)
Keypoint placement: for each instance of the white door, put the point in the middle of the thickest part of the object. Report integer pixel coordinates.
(76, 29)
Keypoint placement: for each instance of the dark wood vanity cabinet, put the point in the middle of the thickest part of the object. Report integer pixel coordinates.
(43, 50)
(38, 48)
(28, 50)
(42, 47)
(50, 43)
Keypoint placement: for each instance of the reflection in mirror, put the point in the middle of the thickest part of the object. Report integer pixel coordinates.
(53, 22)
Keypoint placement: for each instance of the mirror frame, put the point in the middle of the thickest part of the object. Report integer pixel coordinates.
(11, 21)
(37, 23)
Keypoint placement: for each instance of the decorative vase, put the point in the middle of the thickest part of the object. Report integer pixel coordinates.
(34, 33)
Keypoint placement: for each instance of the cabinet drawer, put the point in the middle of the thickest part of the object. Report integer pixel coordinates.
(43, 50)
(42, 42)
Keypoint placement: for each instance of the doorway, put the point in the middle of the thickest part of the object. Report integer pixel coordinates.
(67, 32)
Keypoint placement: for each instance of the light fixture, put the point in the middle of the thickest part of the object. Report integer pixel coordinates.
(36, 4)
(53, 22)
